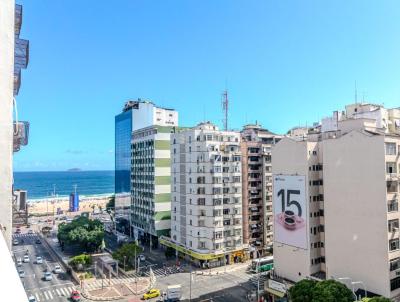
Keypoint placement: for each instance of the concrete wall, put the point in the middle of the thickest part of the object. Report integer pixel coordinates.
(290, 157)
(6, 99)
(356, 230)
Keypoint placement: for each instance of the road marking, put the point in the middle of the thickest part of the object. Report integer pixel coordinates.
(58, 292)
(50, 294)
(45, 295)
(37, 297)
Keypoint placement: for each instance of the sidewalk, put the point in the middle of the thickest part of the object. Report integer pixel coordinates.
(222, 269)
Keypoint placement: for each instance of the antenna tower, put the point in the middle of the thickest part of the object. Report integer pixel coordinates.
(225, 107)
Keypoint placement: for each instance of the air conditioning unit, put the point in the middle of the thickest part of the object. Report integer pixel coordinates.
(21, 134)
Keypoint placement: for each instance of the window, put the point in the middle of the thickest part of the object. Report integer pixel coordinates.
(394, 264)
(393, 225)
(390, 148)
(394, 244)
(395, 283)
(391, 167)
(391, 186)
(217, 201)
(393, 206)
(201, 201)
(236, 178)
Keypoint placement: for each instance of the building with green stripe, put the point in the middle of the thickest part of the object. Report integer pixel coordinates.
(151, 183)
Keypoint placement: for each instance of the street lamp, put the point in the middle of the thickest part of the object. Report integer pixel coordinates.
(351, 282)
(362, 283)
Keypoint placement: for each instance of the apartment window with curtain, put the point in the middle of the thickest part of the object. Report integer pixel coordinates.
(390, 148)
(393, 225)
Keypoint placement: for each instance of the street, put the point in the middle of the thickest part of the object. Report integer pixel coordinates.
(57, 289)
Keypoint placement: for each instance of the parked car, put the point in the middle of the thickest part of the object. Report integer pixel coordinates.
(57, 269)
(26, 259)
(152, 293)
(48, 276)
(75, 296)
(32, 299)
(39, 260)
(38, 241)
(19, 262)
(21, 274)
(18, 231)
(30, 232)
(15, 242)
(142, 257)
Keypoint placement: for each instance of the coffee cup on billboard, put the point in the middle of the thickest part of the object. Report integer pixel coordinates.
(288, 214)
(290, 222)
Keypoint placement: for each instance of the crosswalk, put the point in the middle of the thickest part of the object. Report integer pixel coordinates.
(25, 235)
(50, 294)
(254, 280)
(160, 272)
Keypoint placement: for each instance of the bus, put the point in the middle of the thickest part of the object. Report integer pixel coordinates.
(264, 264)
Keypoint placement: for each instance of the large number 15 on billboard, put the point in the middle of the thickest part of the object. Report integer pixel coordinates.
(290, 210)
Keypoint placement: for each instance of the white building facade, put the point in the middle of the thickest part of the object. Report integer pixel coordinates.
(350, 166)
(206, 184)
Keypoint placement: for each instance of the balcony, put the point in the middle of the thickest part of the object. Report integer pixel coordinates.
(392, 177)
(21, 134)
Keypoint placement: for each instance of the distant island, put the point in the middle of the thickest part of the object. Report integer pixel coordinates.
(74, 170)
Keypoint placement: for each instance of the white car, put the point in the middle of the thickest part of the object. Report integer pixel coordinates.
(57, 269)
(30, 232)
(142, 257)
(32, 299)
(39, 260)
(48, 276)
(26, 258)
(15, 242)
(19, 262)
(21, 274)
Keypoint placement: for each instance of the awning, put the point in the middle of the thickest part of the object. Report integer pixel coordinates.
(275, 292)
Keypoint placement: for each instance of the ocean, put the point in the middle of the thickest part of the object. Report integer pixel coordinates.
(40, 184)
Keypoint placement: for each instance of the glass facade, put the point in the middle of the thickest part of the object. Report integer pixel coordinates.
(123, 132)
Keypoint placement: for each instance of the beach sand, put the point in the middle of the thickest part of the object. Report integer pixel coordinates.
(51, 205)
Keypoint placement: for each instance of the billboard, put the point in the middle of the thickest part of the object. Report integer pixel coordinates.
(290, 210)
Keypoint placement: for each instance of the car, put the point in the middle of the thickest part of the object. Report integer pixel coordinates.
(30, 232)
(21, 274)
(19, 262)
(15, 242)
(47, 276)
(38, 241)
(57, 269)
(75, 296)
(26, 259)
(142, 257)
(152, 293)
(32, 299)
(39, 260)
(18, 231)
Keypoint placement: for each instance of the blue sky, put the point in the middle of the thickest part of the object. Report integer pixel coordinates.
(285, 63)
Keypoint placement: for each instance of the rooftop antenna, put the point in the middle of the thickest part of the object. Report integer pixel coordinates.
(225, 107)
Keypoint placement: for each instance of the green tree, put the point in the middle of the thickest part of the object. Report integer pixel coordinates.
(169, 252)
(127, 250)
(82, 231)
(110, 206)
(302, 291)
(80, 262)
(331, 291)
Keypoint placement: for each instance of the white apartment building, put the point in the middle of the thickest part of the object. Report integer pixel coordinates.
(347, 170)
(206, 185)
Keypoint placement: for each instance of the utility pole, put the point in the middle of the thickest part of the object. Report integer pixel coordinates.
(190, 285)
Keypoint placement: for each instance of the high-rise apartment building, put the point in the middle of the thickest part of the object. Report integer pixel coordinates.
(14, 55)
(151, 183)
(206, 218)
(256, 144)
(133, 129)
(335, 201)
